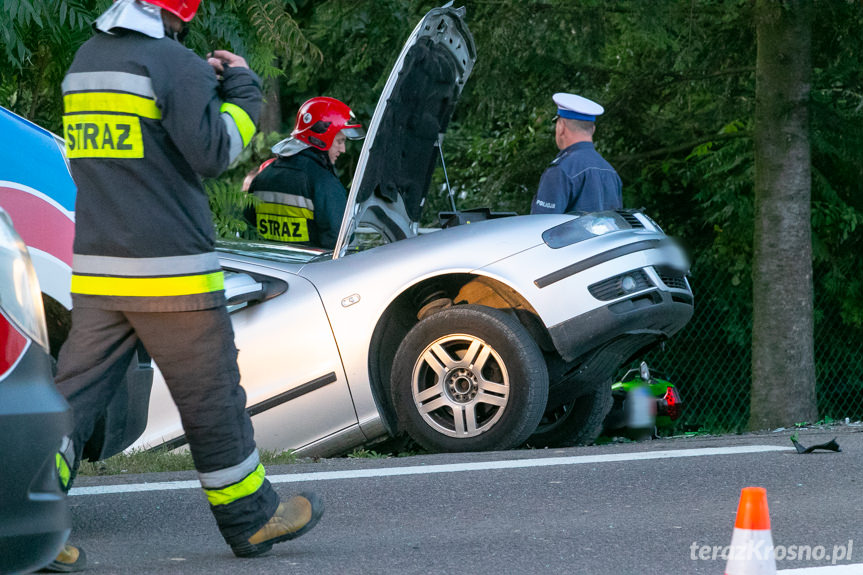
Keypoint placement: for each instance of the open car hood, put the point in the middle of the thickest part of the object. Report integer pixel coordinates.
(402, 143)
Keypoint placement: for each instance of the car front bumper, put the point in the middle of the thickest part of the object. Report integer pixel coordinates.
(646, 317)
(34, 516)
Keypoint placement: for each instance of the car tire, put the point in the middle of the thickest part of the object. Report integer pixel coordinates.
(579, 422)
(469, 378)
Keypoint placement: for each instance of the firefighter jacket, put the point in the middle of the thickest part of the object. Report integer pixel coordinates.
(300, 200)
(143, 118)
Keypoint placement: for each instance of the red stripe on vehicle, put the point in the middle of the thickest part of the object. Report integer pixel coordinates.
(40, 225)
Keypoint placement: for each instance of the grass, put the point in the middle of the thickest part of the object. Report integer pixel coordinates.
(367, 454)
(156, 461)
(181, 460)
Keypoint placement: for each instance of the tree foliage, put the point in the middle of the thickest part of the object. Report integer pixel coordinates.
(38, 39)
(677, 79)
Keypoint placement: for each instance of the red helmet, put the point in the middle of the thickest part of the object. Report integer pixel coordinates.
(182, 9)
(320, 119)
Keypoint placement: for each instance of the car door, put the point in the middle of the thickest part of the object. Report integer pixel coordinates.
(290, 367)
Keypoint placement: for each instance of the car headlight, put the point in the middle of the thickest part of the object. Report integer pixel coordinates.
(20, 296)
(582, 228)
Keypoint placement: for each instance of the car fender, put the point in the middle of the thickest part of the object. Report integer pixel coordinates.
(357, 290)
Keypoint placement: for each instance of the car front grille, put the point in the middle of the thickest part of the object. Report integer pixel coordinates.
(613, 288)
(631, 219)
(675, 279)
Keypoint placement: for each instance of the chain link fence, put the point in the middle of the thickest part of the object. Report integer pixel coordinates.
(709, 361)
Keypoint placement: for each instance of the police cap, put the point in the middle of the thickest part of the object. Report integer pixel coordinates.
(577, 108)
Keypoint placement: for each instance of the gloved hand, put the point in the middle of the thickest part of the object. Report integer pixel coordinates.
(220, 60)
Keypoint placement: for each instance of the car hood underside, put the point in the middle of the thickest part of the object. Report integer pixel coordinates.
(415, 107)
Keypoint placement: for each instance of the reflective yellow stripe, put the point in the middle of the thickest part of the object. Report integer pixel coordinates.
(103, 136)
(244, 122)
(152, 287)
(100, 102)
(63, 471)
(244, 488)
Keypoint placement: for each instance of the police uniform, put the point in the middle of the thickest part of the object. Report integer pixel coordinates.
(300, 200)
(144, 116)
(578, 179)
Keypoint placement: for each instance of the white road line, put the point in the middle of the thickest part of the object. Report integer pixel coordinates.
(855, 569)
(450, 468)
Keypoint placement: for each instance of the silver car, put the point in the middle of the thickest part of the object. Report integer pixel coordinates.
(485, 334)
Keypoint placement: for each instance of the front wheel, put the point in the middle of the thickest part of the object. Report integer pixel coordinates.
(469, 378)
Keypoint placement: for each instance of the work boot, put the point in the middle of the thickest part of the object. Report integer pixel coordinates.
(292, 518)
(70, 560)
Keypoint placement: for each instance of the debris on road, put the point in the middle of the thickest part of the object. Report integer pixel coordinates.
(829, 446)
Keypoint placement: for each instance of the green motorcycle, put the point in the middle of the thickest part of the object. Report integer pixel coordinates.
(643, 402)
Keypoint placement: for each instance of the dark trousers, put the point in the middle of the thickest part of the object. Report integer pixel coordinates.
(196, 354)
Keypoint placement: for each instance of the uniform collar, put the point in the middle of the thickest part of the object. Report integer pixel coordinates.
(132, 15)
(570, 149)
(291, 147)
(578, 146)
(319, 156)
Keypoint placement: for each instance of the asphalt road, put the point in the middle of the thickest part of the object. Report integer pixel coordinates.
(645, 508)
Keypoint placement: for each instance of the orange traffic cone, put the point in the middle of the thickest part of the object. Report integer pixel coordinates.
(751, 551)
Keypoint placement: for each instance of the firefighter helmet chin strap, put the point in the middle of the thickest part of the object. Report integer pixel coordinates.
(133, 15)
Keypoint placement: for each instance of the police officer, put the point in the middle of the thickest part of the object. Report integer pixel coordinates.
(301, 200)
(578, 179)
(144, 116)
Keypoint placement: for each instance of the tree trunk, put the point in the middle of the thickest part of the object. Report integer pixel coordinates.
(783, 365)
(271, 113)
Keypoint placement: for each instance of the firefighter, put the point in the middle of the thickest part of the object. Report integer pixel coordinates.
(143, 118)
(301, 200)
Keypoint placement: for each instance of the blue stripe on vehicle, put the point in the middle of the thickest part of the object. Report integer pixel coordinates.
(35, 160)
